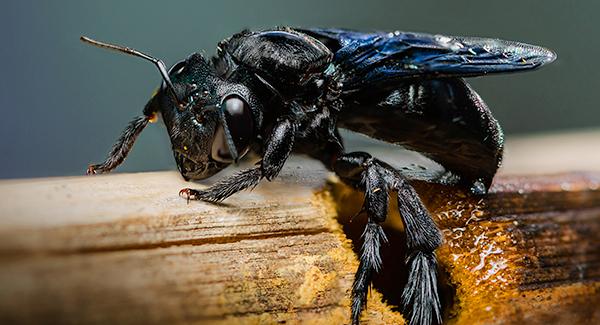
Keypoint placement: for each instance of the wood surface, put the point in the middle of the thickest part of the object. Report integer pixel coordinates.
(125, 248)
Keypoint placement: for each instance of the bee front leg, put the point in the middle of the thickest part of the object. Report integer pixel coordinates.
(377, 179)
(277, 150)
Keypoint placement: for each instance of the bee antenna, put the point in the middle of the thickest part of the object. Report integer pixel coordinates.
(159, 64)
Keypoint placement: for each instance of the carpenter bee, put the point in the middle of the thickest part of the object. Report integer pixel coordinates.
(287, 90)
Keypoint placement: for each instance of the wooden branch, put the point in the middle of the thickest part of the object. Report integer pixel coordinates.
(126, 249)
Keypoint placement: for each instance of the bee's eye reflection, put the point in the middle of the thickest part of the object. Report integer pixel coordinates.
(240, 124)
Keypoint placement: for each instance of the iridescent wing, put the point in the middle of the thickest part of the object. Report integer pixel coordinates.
(381, 59)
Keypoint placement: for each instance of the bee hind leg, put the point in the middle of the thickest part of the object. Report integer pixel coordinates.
(377, 179)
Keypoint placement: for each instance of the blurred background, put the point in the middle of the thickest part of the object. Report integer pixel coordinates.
(63, 103)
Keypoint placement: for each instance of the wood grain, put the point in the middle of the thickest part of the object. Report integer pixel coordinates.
(125, 248)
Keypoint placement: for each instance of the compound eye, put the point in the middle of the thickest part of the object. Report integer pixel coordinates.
(176, 69)
(240, 124)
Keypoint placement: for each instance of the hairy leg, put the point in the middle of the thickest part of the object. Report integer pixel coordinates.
(122, 147)
(370, 262)
(277, 151)
(420, 297)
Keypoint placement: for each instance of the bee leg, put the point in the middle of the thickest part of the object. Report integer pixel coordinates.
(420, 297)
(277, 151)
(121, 148)
(370, 262)
(226, 187)
(376, 205)
(356, 169)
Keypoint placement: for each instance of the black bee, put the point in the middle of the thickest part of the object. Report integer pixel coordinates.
(288, 90)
